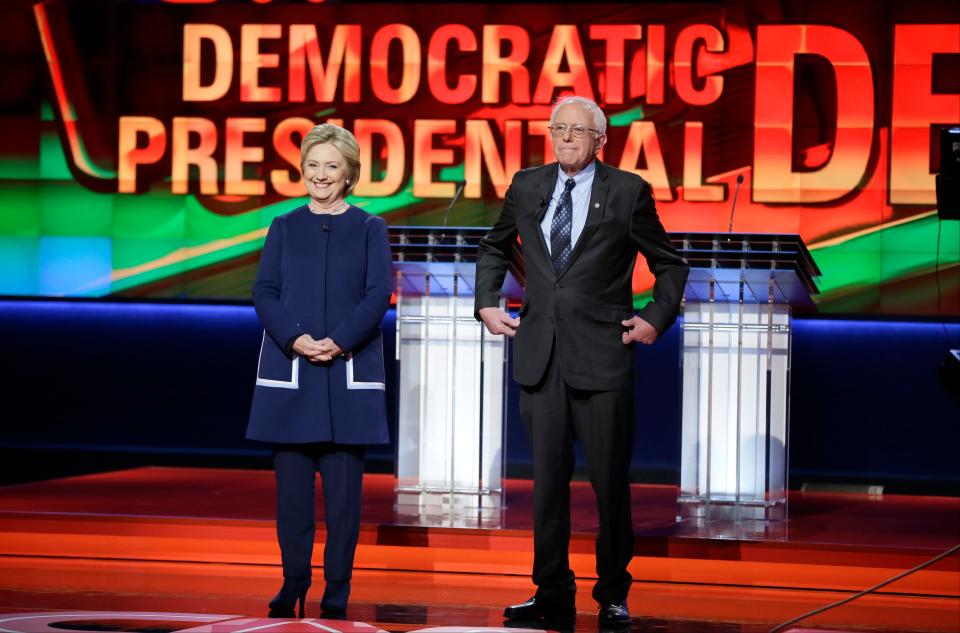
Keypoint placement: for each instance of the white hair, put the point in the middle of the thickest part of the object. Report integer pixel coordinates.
(599, 118)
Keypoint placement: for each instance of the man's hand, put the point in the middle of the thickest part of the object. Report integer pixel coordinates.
(498, 321)
(639, 331)
(314, 350)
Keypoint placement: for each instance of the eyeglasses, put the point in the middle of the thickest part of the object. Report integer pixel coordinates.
(577, 131)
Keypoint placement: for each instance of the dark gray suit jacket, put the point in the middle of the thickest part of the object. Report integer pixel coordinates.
(582, 306)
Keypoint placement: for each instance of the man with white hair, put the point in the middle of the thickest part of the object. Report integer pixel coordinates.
(581, 224)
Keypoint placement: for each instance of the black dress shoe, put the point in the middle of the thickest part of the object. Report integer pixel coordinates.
(537, 609)
(614, 613)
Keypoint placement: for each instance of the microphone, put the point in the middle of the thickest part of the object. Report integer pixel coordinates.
(542, 205)
(446, 215)
(733, 206)
(456, 196)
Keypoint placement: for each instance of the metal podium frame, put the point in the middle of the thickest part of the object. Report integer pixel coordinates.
(736, 346)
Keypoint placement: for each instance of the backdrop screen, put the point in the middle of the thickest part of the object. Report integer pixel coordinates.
(148, 145)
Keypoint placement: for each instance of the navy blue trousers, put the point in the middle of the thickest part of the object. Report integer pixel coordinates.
(341, 470)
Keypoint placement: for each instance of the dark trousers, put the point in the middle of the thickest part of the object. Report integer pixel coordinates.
(554, 415)
(341, 469)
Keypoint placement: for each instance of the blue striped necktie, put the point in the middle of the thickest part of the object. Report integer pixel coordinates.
(560, 248)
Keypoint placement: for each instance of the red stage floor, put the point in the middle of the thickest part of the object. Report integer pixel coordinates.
(201, 541)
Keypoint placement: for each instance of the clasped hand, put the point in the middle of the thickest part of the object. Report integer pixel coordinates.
(317, 351)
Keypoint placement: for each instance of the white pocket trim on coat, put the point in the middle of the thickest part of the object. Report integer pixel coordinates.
(293, 383)
(356, 384)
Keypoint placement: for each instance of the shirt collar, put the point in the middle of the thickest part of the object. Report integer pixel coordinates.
(582, 177)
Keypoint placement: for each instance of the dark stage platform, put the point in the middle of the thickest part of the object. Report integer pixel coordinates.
(201, 541)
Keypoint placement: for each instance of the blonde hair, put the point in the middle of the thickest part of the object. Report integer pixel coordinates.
(345, 143)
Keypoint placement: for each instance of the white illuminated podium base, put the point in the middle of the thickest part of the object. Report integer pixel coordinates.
(451, 383)
(736, 382)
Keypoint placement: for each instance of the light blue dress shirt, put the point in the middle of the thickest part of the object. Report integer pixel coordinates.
(581, 202)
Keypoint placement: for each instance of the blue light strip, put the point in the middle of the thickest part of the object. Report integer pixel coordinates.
(102, 310)
(109, 310)
(863, 327)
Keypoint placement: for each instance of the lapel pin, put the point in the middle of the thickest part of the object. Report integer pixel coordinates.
(596, 205)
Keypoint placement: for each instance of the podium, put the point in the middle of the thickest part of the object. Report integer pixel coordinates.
(451, 380)
(736, 336)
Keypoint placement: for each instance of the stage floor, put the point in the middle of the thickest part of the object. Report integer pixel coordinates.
(179, 543)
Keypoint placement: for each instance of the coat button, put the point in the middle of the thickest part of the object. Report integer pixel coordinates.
(556, 286)
(550, 320)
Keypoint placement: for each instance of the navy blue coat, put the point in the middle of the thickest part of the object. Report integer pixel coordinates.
(328, 276)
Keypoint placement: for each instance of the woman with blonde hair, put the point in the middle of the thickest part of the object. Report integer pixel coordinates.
(322, 288)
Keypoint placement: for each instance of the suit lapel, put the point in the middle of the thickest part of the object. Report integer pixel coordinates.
(598, 203)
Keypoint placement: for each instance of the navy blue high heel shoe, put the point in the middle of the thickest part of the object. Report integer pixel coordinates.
(293, 590)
